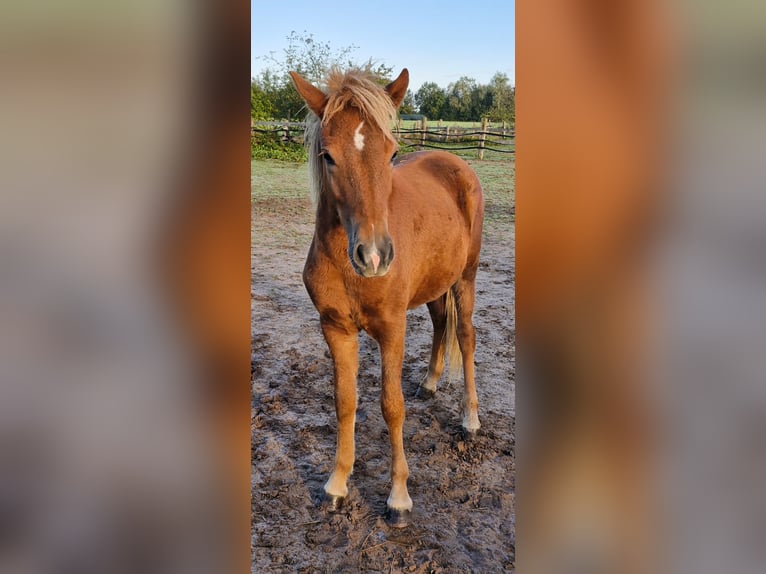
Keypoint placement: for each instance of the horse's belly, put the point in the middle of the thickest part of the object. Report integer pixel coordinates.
(442, 271)
(424, 296)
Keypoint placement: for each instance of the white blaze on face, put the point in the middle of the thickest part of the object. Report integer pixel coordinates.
(375, 255)
(358, 137)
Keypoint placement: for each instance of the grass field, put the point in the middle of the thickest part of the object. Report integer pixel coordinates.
(435, 125)
(263, 147)
(471, 155)
(413, 124)
(282, 187)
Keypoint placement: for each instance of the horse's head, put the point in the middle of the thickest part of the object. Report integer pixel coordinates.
(354, 150)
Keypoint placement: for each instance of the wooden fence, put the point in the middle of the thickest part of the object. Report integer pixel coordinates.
(421, 136)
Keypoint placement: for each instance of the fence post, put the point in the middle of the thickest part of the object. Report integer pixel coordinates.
(286, 137)
(446, 137)
(482, 137)
(423, 128)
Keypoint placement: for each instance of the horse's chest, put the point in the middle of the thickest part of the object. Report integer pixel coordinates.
(366, 314)
(345, 300)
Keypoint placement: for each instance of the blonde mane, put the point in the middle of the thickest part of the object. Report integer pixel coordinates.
(356, 88)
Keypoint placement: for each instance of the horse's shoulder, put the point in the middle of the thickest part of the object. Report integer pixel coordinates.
(324, 285)
(318, 273)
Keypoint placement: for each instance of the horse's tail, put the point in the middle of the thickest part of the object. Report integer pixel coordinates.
(452, 353)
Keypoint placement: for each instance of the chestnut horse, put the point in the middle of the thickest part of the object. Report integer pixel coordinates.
(389, 236)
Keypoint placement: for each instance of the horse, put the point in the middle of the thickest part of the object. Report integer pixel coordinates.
(391, 234)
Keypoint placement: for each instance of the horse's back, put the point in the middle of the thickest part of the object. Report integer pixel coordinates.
(430, 173)
(438, 207)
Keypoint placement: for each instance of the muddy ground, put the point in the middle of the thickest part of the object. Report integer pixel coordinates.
(463, 493)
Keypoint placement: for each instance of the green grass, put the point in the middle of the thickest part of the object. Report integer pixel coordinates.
(273, 179)
(265, 146)
(414, 124)
(281, 213)
(498, 180)
(281, 205)
(469, 154)
(454, 146)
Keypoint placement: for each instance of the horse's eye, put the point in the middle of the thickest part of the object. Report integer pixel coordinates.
(327, 157)
(393, 157)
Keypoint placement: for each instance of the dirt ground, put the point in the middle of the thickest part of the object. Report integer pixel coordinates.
(463, 493)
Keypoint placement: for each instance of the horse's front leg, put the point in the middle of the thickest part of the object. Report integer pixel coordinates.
(391, 340)
(344, 347)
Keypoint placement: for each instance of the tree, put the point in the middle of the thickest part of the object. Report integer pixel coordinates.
(430, 100)
(312, 59)
(503, 96)
(408, 104)
(260, 106)
(460, 101)
(481, 102)
(307, 56)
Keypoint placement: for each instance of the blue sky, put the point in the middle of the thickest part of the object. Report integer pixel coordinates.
(437, 40)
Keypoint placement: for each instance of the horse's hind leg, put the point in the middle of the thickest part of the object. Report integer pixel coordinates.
(344, 348)
(464, 291)
(438, 312)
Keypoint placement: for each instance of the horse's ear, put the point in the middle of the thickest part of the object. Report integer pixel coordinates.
(398, 88)
(315, 98)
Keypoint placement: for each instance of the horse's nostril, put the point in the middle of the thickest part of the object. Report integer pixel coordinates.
(360, 253)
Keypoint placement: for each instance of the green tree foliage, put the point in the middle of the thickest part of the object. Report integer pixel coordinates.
(272, 95)
(502, 99)
(430, 99)
(312, 59)
(260, 105)
(460, 103)
(308, 56)
(408, 104)
(467, 100)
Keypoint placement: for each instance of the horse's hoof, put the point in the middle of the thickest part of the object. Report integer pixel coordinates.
(468, 434)
(398, 518)
(424, 393)
(332, 502)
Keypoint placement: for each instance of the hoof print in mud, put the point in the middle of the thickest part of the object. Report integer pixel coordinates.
(424, 393)
(398, 518)
(331, 503)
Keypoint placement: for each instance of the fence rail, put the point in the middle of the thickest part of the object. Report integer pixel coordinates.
(450, 138)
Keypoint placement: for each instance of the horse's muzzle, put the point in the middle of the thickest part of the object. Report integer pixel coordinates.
(372, 258)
